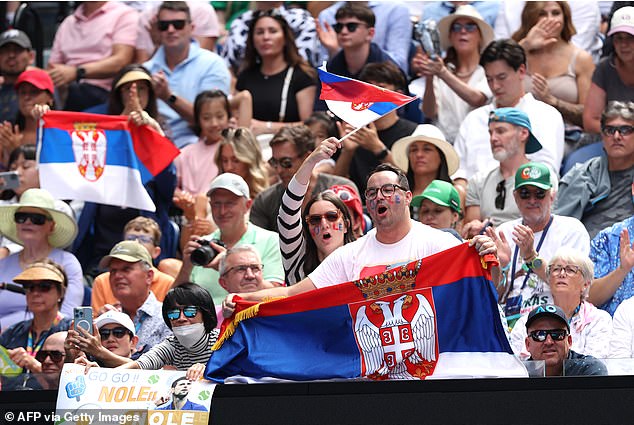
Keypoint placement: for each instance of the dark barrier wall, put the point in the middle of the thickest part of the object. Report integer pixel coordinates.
(560, 401)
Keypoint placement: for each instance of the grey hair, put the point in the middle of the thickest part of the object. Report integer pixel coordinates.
(236, 249)
(577, 258)
(617, 109)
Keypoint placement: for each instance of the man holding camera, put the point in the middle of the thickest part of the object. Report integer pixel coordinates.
(230, 204)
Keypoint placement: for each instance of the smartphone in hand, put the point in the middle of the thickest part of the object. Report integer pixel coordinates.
(83, 319)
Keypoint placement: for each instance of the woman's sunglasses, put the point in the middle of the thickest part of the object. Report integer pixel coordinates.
(37, 287)
(36, 218)
(315, 219)
(188, 311)
(118, 332)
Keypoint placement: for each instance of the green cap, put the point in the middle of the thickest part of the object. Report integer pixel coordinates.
(128, 251)
(533, 174)
(441, 193)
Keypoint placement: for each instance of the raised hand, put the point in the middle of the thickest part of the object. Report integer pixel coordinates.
(504, 249)
(626, 251)
(524, 238)
(543, 34)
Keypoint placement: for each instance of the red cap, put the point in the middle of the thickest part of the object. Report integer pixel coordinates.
(351, 198)
(38, 77)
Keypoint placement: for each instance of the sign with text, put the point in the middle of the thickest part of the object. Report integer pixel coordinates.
(131, 397)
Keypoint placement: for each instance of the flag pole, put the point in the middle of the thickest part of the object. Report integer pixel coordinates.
(349, 134)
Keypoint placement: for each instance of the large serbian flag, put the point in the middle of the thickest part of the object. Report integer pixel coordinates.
(100, 158)
(433, 318)
(356, 102)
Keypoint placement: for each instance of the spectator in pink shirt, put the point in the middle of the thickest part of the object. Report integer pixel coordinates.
(90, 47)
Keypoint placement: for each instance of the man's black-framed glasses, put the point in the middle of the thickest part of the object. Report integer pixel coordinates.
(387, 190)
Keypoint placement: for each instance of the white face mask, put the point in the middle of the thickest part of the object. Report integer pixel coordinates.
(189, 335)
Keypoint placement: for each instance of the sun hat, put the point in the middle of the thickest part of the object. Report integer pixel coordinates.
(65, 229)
(533, 174)
(441, 193)
(116, 317)
(37, 77)
(516, 117)
(547, 310)
(465, 11)
(622, 21)
(231, 182)
(425, 133)
(40, 271)
(134, 75)
(128, 251)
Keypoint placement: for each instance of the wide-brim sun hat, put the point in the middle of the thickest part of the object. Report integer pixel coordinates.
(430, 134)
(465, 11)
(65, 229)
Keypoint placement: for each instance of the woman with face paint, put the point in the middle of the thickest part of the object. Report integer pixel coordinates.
(326, 221)
(188, 310)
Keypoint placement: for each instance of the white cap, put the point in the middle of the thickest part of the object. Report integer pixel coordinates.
(231, 182)
(622, 21)
(117, 317)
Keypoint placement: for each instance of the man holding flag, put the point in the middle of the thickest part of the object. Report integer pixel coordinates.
(395, 241)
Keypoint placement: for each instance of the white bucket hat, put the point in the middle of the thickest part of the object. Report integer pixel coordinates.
(465, 11)
(65, 229)
(430, 134)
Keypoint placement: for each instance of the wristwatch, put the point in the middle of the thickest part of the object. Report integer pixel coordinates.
(382, 155)
(81, 73)
(535, 263)
(172, 99)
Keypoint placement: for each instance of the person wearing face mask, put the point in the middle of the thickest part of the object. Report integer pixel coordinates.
(188, 310)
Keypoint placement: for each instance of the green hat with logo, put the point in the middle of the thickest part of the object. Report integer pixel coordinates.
(128, 251)
(533, 174)
(440, 193)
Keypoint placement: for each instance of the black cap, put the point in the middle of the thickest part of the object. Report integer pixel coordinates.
(547, 310)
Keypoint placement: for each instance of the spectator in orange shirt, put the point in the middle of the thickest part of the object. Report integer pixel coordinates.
(146, 231)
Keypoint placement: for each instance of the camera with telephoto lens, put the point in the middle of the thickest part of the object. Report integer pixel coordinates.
(205, 253)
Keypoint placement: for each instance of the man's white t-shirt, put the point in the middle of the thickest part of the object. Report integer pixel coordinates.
(367, 256)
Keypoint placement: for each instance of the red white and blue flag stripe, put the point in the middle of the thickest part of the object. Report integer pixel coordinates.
(356, 102)
(434, 318)
(100, 158)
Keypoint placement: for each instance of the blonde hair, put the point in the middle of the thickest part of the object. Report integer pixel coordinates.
(247, 150)
(144, 224)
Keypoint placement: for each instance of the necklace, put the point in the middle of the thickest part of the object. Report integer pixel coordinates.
(466, 74)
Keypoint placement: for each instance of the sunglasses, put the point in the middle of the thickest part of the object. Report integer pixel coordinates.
(315, 219)
(118, 332)
(285, 162)
(37, 287)
(501, 198)
(611, 130)
(470, 27)
(178, 24)
(555, 334)
(350, 26)
(387, 190)
(242, 269)
(524, 193)
(569, 270)
(188, 311)
(36, 218)
(140, 238)
(273, 13)
(56, 356)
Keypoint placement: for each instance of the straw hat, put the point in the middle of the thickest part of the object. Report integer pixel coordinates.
(40, 271)
(430, 134)
(65, 227)
(134, 75)
(465, 11)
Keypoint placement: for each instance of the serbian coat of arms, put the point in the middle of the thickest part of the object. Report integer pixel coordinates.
(89, 148)
(396, 335)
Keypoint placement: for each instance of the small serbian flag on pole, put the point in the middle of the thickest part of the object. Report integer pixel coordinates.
(100, 158)
(433, 318)
(356, 102)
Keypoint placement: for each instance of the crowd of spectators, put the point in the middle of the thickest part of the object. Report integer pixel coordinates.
(266, 200)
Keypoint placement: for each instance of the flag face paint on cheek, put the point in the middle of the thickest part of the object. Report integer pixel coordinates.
(397, 199)
(316, 230)
(372, 205)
